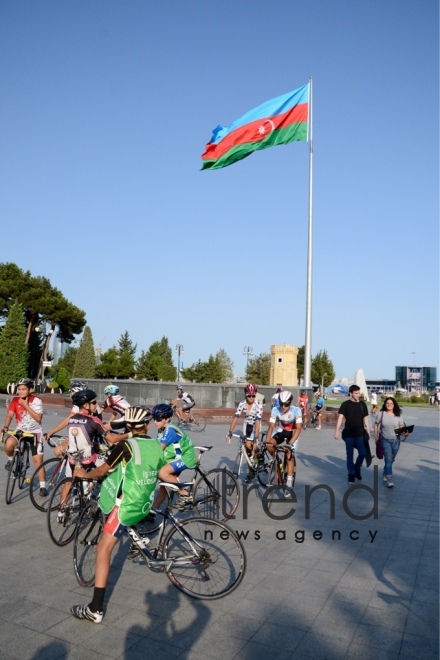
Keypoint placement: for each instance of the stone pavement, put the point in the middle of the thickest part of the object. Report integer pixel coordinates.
(315, 587)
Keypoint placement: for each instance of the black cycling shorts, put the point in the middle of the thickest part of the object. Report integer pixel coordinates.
(282, 436)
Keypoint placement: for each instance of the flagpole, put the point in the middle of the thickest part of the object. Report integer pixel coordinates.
(308, 338)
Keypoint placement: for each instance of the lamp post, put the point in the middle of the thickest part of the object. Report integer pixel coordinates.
(44, 350)
(179, 350)
(322, 383)
(247, 350)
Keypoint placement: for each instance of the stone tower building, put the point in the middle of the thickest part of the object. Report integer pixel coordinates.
(283, 364)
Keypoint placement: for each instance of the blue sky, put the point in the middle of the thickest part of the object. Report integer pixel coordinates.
(106, 109)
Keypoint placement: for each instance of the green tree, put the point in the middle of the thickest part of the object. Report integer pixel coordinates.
(109, 365)
(157, 362)
(258, 369)
(211, 371)
(126, 353)
(226, 365)
(13, 349)
(300, 361)
(42, 304)
(85, 363)
(322, 368)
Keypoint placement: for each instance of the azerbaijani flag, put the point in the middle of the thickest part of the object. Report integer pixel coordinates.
(278, 121)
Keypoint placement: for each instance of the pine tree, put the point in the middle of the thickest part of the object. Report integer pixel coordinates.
(322, 369)
(13, 349)
(157, 362)
(226, 365)
(85, 363)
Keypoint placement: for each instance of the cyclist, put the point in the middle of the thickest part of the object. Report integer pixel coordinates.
(86, 434)
(319, 407)
(286, 420)
(187, 403)
(252, 409)
(28, 412)
(276, 397)
(75, 386)
(117, 404)
(303, 404)
(179, 451)
(126, 495)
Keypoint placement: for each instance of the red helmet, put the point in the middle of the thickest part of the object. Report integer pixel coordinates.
(250, 390)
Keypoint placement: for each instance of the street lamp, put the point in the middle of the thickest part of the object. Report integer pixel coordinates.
(322, 383)
(179, 350)
(247, 350)
(43, 358)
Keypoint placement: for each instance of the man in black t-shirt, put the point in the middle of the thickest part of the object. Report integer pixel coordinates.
(354, 413)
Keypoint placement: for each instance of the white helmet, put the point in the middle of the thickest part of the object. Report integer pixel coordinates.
(286, 397)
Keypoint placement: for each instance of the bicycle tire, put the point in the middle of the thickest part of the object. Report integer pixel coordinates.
(12, 477)
(25, 464)
(263, 471)
(199, 423)
(62, 534)
(214, 569)
(54, 472)
(216, 495)
(88, 531)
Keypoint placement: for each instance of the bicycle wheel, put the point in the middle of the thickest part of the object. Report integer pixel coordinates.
(12, 476)
(69, 502)
(24, 467)
(264, 470)
(51, 471)
(216, 495)
(197, 423)
(210, 564)
(87, 534)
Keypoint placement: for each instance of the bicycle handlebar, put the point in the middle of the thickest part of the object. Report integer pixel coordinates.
(49, 438)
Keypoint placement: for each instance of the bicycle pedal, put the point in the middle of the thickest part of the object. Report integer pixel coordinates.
(28, 480)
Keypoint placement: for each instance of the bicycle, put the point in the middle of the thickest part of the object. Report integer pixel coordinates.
(313, 421)
(202, 557)
(53, 469)
(273, 473)
(214, 495)
(193, 422)
(69, 497)
(20, 462)
(242, 455)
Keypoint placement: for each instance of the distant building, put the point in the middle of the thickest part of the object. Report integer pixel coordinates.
(381, 385)
(416, 379)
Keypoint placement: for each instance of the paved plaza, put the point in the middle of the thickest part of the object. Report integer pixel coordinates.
(315, 587)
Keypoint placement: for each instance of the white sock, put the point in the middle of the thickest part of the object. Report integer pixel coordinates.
(42, 484)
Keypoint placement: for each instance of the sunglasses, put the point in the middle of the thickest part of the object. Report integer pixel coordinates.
(285, 405)
(250, 396)
(93, 403)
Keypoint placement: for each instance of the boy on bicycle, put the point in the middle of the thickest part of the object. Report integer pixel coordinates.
(287, 422)
(126, 495)
(178, 449)
(28, 412)
(252, 409)
(187, 403)
(115, 402)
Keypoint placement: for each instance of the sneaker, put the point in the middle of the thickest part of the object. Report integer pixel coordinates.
(84, 612)
(385, 480)
(390, 482)
(43, 492)
(151, 518)
(358, 475)
(183, 501)
(60, 517)
(318, 428)
(351, 478)
(250, 477)
(8, 465)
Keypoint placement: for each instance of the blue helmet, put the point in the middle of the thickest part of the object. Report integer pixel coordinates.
(162, 411)
(111, 389)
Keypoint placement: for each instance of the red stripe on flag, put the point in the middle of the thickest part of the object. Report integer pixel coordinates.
(256, 131)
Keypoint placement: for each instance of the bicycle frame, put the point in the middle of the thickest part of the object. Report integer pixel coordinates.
(242, 453)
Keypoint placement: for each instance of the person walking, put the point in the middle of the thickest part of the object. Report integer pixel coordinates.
(354, 413)
(373, 400)
(388, 419)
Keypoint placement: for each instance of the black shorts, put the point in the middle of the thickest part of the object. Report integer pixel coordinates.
(188, 406)
(282, 436)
